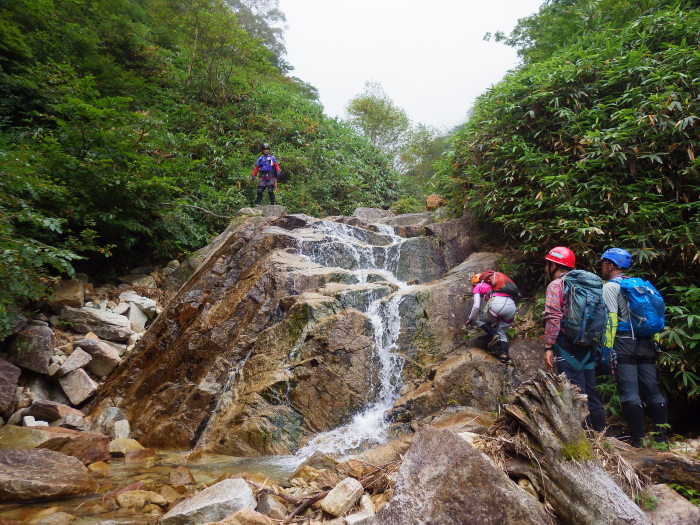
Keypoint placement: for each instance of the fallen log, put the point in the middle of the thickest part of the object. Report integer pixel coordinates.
(545, 417)
(661, 467)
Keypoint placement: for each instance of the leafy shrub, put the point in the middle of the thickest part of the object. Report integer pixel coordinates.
(592, 143)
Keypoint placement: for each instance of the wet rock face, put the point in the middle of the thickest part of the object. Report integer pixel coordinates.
(267, 342)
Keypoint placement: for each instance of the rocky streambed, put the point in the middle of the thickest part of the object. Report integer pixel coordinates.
(294, 359)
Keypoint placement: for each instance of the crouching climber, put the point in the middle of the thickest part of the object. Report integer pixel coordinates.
(498, 292)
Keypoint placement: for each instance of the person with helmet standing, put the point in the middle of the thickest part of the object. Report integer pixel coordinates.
(635, 355)
(269, 171)
(496, 317)
(579, 367)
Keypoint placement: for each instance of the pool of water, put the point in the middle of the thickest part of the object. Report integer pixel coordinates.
(206, 469)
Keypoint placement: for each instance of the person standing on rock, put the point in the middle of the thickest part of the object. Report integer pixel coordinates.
(269, 171)
(495, 289)
(634, 349)
(576, 362)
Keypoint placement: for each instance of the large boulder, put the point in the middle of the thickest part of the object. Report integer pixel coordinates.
(212, 504)
(106, 325)
(39, 474)
(372, 214)
(146, 305)
(445, 480)
(85, 446)
(9, 375)
(67, 293)
(50, 410)
(669, 507)
(105, 358)
(32, 347)
(78, 386)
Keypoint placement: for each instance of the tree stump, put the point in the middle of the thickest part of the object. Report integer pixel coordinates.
(553, 451)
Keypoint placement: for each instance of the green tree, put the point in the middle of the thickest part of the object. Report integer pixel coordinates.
(374, 115)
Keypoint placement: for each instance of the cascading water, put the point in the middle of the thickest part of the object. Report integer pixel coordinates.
(349, 247)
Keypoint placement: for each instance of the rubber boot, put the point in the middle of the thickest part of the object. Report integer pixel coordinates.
(503, 352)
(272, 198)
(659, 416)
(634, 416)
(596, 420)
(258, 198)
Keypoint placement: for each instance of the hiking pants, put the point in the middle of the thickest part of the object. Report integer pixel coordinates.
(579, 368)
(499, 314)
(636, 373)
(270, 193)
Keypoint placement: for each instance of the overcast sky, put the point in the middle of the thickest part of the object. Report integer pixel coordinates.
(428, 55)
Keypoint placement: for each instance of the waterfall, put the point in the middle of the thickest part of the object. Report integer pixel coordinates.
(350, 248)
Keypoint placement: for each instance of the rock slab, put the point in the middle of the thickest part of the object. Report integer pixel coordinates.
(78, 386)
(9, 375)
(445, 480)
(32, 347)
(343, 496)
(671, 508)
(212, 504)
(40, 474)
(105, 358)
(106, 325)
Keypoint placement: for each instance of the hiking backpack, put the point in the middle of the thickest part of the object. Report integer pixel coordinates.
(586, 315)
(646, 306)
(501, 283)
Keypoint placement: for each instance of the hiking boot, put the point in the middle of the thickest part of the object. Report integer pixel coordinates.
(596, 420)
(659, 416)
(503, 352)
(634, 416)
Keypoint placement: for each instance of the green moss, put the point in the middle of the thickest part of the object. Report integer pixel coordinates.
(646, 501)
(580, 450)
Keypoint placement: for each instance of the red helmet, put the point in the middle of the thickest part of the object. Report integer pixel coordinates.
(561, 255)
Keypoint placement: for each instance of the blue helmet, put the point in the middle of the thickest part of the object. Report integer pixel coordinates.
(619, 257)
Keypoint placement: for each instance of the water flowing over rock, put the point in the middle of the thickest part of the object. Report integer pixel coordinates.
(291, 326)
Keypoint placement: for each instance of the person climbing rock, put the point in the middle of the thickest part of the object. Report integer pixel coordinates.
(575, 361)
(633, 339)
(497, 291)
(269, 171)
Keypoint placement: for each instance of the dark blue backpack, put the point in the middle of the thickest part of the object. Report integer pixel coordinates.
(646, 305)
(586, 315)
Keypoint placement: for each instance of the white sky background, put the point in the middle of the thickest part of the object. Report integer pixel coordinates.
(429, 56)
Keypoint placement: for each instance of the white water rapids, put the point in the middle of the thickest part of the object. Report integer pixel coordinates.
(348, 247)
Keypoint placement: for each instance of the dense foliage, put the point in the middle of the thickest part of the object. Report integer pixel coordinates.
(593, 142)
(129, 128)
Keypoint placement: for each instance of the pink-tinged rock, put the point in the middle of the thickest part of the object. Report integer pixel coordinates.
(105, 358)
(50, 410)
(78, 359)
(106, 325)
(67, 293)
(671, 508)
(78, 386)
(9, 374)
(32, 347)
(40, 474)
(86, 446)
